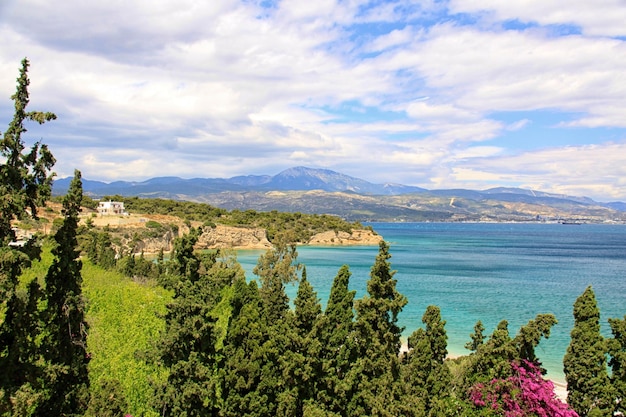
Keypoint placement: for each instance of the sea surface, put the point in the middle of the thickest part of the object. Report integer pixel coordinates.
(487, 272)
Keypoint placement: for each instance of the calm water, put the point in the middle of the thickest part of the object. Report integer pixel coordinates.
(486, 272)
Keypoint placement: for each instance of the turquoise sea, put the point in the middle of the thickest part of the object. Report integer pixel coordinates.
(487, 272)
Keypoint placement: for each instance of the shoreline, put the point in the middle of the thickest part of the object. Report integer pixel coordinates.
(560, 387)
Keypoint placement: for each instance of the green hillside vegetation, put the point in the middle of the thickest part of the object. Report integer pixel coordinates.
(125, 318)
(300, 227)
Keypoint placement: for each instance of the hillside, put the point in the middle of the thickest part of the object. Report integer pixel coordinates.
(320, 191)
(147, 227)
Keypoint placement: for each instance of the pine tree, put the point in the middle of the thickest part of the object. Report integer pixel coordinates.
(65, 340)
(584, 363)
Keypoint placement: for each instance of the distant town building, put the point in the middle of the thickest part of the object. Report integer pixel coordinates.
(108, 208)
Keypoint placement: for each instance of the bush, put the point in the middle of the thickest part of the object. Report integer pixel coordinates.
(525, 393)
(151, 224)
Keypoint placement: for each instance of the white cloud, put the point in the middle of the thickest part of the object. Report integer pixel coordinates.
(598, 18)
(423, 110)
(518, 125)
(513, 71)
(596, 171)
(227, 87)
(395, 38)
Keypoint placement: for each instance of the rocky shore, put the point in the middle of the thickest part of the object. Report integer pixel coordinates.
(221, 236)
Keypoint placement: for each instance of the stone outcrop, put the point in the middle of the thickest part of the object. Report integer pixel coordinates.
(233, 237)
(357, 237)
(153, 244)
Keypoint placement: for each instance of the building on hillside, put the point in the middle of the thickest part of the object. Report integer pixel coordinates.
(108, 208)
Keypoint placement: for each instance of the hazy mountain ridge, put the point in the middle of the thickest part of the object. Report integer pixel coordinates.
(322, 191)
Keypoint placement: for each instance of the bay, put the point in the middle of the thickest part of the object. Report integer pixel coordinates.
(487, 272)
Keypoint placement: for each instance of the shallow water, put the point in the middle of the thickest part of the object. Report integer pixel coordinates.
(487, 272)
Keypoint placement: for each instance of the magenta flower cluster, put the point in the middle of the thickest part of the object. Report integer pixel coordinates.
(525, 393)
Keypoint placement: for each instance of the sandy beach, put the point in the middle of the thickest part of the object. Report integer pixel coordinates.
(560, 388)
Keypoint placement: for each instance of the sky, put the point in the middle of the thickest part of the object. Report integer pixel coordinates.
(435, 93)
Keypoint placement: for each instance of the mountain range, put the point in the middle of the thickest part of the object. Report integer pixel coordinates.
(323, 191)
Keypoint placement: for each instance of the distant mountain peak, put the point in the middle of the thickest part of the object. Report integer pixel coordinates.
(301, 178)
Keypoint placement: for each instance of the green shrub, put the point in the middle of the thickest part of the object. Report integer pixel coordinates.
(151, 224)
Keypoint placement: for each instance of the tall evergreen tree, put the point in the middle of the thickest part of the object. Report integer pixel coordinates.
(497, 358)
(25, 184)
(275, 268)
(25, 179)
(268, 359)
(585, 363)
(184, 262)
(493, 358)
(617, 350)
(375, 375)
(478, 337)
(339, 313)
(188, 345)
(307, 306)
(305, 361)
(65, 339)
(377, 312)
(338, 348)
(530, 334)
(427, 378)
(248, 357)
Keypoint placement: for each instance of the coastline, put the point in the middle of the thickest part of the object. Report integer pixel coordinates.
(560, 387)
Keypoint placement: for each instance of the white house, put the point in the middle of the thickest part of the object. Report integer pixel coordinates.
(106, 208)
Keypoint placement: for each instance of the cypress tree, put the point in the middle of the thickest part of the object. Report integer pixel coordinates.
(275, 268)
(426, 376)
(492, 359)
(246, 356)
(307, 306)
(477, 337)
(65, 340)
(585, 363)
(339, 314)
(25, 184)
(617, 350)
(529, 336)
(377, 312)
(188, 345)
(25, 179)
(262, 371)
(305, 360)
(374, 377)
(338, 348)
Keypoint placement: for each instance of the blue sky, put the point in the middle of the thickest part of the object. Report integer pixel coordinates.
(438, 94)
